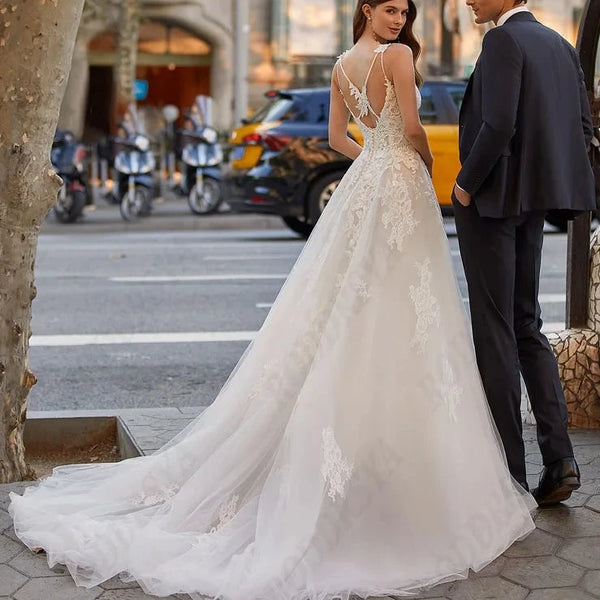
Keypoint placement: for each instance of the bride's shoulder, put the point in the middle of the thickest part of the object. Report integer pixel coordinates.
(398, 56)
(398, 51)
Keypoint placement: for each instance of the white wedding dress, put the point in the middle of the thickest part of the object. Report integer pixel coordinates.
(351, 451)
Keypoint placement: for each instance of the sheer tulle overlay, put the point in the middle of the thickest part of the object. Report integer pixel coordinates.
(351, 451)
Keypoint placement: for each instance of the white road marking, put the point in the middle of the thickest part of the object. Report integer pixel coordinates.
(550, 298)
(141, 338)
(264, 305)
(45, 341)
(552, 327)
(166, 278)
(251, 257)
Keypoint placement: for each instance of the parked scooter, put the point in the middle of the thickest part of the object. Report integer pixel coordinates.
(68, 159)
(134, 164)
(202, 156)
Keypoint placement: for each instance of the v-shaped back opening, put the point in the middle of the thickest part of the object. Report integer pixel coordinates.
(367, 102)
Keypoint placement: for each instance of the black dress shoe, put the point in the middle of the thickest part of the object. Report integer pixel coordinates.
(557, 482)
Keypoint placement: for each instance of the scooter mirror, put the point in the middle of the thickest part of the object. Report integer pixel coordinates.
(210, 135)
(142, 143)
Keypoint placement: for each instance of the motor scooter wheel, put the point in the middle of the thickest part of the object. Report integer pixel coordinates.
(136, 207)
(69, 210)
(208, 200)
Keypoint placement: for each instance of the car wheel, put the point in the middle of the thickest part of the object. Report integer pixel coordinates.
(298, 226)
(558, 221)
(320, 194)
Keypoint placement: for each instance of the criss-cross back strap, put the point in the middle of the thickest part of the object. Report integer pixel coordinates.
(363, 104)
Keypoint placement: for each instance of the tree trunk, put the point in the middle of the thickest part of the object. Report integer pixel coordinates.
(36, 45)
(127, 42)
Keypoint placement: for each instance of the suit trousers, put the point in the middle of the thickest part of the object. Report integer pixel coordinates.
(502, 259)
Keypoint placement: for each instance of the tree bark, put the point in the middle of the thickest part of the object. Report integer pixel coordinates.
(36, 45)
(127, 42)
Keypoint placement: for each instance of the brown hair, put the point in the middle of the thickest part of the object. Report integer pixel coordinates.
(406, 37)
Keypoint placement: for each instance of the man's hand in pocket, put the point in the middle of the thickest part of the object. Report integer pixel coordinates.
(463, 197)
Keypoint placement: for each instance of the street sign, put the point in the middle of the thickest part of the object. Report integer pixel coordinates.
(140, 89)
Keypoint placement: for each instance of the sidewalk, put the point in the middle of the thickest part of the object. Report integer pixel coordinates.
(558, 561)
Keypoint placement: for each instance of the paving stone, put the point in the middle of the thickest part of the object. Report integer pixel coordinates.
(56, 588)
(590, 486)
(594, 503)
(591, 582)
(576, 500)
(116, 584)
(590, 470)
(494, 568)
(490, 588)
(10, 533)
(5, 520)
(537, 543)
(542, 572)
(562, 594)
(439, 591)
(583, 437)
(9, 548)
(569, 522)
(191, 410)
(584, 552)
(131, 594)
(36, 565)
(435, 593)
(586, 454)
(10, 580)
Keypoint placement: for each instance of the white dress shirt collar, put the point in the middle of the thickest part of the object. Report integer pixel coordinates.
(513, 11)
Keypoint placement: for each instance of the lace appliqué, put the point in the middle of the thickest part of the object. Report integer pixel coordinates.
(336, 470)
(398, 215)
(426, 306)
(362, 101)
(155, 496)
(452, 393)
(226, 513)
(363, 290)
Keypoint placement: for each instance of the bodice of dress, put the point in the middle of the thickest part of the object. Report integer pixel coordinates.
(386, 137)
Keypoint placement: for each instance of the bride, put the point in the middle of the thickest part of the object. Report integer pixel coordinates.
(351, 451)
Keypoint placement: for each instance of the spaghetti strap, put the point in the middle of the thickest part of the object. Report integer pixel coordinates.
(387, 80)
(363, 104)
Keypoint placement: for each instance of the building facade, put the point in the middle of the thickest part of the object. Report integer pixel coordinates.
(187, 47)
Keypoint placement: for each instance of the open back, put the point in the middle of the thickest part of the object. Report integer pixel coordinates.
(366, 101)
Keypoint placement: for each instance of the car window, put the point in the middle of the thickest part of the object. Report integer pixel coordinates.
(428, 111)
(278, 109)
(457, 93)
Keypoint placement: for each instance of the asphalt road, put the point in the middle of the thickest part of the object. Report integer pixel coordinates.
(159, 318)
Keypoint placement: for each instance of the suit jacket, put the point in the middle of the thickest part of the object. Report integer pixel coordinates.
(525, 124)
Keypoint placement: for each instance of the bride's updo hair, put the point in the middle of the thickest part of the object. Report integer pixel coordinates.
(406, 37)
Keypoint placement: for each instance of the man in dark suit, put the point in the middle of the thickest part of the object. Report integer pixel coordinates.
(525, 129)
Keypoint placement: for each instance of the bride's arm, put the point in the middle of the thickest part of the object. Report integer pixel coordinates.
(399, 61)
(339, 116)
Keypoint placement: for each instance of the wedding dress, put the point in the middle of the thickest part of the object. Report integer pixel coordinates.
(351, 451)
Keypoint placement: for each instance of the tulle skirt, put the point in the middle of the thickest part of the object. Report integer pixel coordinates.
(351, 451)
